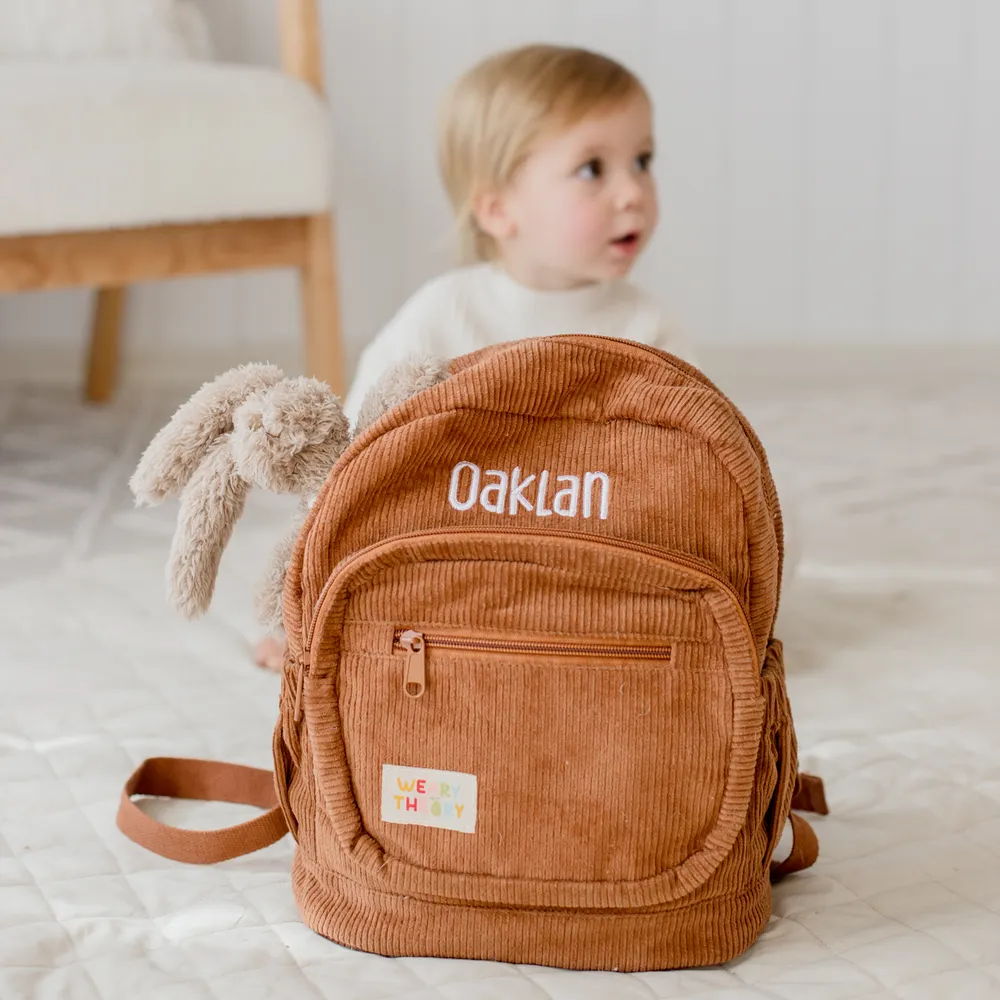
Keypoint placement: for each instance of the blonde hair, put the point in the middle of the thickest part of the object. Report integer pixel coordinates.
(492, 114)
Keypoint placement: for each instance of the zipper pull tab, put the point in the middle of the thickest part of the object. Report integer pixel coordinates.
(415, 673)
(302, 664)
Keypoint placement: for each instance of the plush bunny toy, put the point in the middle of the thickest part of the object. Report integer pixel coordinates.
(251, 426)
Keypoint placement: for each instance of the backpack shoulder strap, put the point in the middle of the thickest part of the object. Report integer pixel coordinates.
(207, 780)
(809, 796)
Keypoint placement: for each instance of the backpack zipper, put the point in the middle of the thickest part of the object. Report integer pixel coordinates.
(697, 567)
(416, 643)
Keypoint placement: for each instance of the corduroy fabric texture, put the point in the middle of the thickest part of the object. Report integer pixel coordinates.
(593, 646)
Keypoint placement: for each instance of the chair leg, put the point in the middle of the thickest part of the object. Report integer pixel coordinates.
(321, 306)
(102, 363)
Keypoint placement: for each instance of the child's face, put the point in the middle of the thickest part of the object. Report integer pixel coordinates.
(583, 205)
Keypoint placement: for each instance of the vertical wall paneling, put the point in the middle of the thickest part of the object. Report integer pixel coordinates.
(846, 145)
(924, 57)
(364, 63)
(765, 150)
(979, 290)
(827, 169)
(688, 77)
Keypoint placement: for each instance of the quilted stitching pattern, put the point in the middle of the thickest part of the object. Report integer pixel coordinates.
(892, 672)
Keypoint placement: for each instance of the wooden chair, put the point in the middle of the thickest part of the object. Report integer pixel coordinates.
(230, 236)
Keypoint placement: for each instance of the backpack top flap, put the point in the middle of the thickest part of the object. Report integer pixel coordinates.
(509, 440)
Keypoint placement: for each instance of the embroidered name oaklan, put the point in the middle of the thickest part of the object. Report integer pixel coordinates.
(539, 493)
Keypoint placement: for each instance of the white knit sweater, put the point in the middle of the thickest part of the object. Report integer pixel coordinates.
(481, 305)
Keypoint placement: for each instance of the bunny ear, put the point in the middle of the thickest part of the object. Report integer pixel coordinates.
(398, 383)
(287, 438)
(173, 455)
(210, 506)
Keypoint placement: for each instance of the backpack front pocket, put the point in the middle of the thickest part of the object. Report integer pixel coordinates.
(593, 745)
(596, 761)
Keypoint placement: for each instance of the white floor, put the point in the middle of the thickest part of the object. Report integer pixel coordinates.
(895, 680)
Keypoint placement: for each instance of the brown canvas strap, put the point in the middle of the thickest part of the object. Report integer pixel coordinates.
(213, 781)
(207, 780)
(805, 850)
(809, 796)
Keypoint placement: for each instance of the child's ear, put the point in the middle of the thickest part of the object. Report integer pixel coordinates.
(493, 216)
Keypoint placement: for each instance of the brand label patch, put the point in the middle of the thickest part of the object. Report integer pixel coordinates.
(425, 797)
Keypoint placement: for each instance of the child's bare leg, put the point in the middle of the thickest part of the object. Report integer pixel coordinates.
(270, 651)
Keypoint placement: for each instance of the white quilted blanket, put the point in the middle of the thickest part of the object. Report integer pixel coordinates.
(894, 678)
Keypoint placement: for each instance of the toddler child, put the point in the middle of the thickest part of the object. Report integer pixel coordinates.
(545, 152)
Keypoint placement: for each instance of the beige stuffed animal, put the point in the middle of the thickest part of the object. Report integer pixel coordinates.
(249, 427)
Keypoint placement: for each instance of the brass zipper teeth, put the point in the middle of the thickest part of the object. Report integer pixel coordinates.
(541, 648)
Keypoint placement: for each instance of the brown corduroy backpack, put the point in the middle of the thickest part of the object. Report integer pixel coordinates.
(532, 707)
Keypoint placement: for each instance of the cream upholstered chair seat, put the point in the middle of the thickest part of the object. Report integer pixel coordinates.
(120, 170)
(111, 144)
